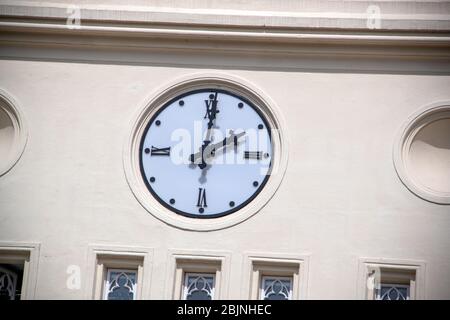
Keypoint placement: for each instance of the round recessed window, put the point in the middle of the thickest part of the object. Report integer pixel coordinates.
(422, 157)
(12, 133)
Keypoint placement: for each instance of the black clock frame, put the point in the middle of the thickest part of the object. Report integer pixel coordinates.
(199, 216)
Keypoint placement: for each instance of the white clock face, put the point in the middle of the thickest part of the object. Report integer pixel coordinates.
(206, 153)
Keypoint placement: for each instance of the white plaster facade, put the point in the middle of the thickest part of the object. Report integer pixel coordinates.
(343, 92)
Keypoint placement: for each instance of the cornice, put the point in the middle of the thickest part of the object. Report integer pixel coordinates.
(423, 16)
(188, 29)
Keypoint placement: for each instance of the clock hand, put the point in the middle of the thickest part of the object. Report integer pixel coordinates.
(204, 171)
(207, 151)
(231, 139)
(211, 111)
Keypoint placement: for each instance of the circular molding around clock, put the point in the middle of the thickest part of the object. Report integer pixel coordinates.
(422, 153)
(13, 132)
(196, 83)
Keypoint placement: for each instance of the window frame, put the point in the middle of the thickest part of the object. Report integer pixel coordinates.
(258, 265)
(103, 258)
(396, 271)
(199, 261)
(28, 254)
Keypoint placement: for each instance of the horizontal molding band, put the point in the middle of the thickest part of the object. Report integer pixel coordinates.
(166, 33)
(355, 61)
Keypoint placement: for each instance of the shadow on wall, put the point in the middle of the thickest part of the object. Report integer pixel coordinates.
(430, 155)
(6, 135)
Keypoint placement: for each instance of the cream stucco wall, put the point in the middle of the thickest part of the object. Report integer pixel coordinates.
(340, 199)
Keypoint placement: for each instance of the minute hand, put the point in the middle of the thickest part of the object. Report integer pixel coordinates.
(209, 150)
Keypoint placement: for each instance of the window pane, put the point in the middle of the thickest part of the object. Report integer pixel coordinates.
(276, 288)
(121, 285)
(10, 281)
(199, 286)
(393, 292)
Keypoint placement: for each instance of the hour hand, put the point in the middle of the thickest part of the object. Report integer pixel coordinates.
(197, 158)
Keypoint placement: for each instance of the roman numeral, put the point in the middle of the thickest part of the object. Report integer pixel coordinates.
(253, 155)
(201, 201)
(211, 109)
(160, 151)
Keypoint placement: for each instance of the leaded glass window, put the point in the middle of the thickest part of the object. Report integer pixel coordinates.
(276, 288)
(199, 286)
(8, 283)
(120, 284)
(393, 292)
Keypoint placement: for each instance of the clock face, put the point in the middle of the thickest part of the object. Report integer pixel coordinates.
(206, 153)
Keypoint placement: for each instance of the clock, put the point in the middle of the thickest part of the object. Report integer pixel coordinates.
(206, 153)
